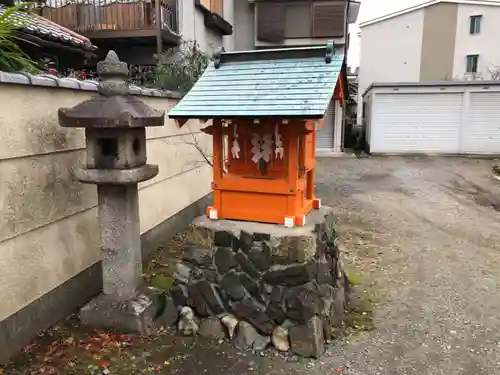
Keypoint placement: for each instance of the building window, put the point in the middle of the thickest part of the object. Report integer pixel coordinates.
(472, 63)
(475, 25)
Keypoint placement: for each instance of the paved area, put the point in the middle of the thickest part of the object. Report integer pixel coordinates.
(431, 232)
(424, 236)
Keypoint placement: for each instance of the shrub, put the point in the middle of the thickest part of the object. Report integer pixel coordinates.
(179, 68)
(12, 58)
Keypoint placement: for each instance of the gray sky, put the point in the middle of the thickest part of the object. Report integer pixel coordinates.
(372, 9)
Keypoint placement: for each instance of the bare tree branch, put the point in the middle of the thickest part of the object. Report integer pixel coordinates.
(494, 71)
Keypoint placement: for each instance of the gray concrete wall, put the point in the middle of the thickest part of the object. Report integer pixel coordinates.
(49, 232)
(244, 25)
(229, 40)
(438, 42)
(193, 27)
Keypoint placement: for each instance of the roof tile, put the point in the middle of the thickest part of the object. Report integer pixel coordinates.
(32, 23)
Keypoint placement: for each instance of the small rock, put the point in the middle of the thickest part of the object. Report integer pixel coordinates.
(170, 314)
(261, 237)
(230, 322)
(210, 274)
(307, 339)
(260, 255)
(246, 241)
(247, 337)
(210, 292)
(266, 289)
(224, 238)
(339, 304)
(340, 268)
(276, 313)
(197, 301)
(275, 310)
(231, 284)
(246, 265)
(292, 275)
(211, 328)
(294, 249)
(250, 285)
(303, 302)
(328, 314)
(321, 248)
(179, 293)
(280, 337)
(253, 312)
(183, 272)
(224, 260)
(324, 271)
(187, 325)
(198, 256)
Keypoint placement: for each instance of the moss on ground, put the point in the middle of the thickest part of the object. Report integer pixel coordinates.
(70, 349)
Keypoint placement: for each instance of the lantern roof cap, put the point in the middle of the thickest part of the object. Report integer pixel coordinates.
(284, 83)
(114, 107)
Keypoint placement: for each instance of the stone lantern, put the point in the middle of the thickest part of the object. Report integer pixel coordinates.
(115, 123)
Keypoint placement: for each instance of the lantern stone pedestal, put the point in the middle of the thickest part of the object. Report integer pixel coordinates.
(280, 280)
(115, 123)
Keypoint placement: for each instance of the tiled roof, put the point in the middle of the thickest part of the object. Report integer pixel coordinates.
(39, 26)
(296, 82)
(47, 80)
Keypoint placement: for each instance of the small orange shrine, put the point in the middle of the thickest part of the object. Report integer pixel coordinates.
(265, 108)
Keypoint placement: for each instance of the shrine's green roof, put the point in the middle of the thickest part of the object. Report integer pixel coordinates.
(287, 83)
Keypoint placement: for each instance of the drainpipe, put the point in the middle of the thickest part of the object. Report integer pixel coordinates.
(344, 75)
(346, 30)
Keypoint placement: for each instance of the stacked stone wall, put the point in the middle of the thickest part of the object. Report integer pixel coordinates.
(288, 288)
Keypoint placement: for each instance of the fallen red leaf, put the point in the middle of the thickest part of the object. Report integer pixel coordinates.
(339, 369)
(27, 348)
(103, 364)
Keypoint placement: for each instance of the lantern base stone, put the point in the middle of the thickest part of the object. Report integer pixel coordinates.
(286, 282)
(136, 315)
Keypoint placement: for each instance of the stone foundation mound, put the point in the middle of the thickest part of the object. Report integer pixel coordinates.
(262, 284)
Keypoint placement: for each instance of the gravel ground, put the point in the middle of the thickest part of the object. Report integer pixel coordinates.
(431, 229)
(423, 235)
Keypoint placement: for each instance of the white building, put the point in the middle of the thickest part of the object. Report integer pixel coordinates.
(440, 40)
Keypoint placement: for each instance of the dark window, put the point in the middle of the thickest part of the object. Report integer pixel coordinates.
(475, 24)
(108, 153)
(472, 63)
(136, 146)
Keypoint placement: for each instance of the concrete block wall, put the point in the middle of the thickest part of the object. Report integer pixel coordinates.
(49, 238)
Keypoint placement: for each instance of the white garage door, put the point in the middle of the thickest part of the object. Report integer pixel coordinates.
(324, 137)
(481, 132)
(427, 123)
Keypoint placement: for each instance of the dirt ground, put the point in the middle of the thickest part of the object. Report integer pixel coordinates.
(422, 235)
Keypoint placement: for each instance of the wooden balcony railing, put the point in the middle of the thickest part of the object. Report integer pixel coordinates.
(85, 16)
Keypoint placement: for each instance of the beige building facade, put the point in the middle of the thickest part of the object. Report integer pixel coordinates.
(440, 40)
